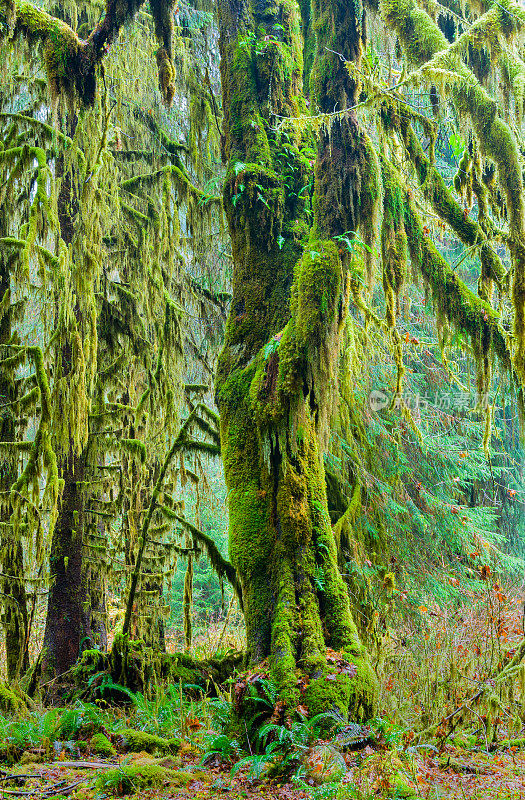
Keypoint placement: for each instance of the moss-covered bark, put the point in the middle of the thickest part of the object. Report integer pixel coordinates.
(71, 62)
(277, 382)
(69, 615)
(13, 590)
(68, 592)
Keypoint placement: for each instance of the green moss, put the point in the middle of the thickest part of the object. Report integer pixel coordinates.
(61, 46)
(101, 745)
(141, 668)
(424, 43)
(276, 378)
(140, 741)
(345, 696)
(282, 662)
(319, 276)
(452, 297)
(129, 779)
(11, 702)
(337, 27)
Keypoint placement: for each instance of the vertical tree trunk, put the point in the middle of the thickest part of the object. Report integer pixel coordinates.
(67, 595)
(12, 586)
(72, 623)
(277, 377)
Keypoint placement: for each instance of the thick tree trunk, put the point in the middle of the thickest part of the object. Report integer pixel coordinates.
(76, 606)
(277, 378)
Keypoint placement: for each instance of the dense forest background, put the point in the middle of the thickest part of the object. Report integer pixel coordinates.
(261, 365)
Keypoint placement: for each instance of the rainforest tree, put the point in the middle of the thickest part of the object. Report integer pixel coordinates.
(330, 162)
(295, 267)
(110, 322)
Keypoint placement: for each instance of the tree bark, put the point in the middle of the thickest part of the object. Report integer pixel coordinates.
(76, 603)
(13, 592)
(67, 595)
(277, 379)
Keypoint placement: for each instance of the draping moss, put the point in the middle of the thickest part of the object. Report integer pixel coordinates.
(425, 45)
(71, 62)
(443, 202)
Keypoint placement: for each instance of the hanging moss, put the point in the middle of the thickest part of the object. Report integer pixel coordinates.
(425, 45)
(441, 199)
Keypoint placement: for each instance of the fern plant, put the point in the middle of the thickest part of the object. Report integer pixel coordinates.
(221, 747)
(283, 748)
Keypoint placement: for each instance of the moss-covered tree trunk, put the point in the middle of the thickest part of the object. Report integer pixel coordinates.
(76, 593)
(277, 378)
(13, 592)
(67, 594)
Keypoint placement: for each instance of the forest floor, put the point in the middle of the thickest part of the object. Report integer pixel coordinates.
(430, 666)
(456, 774)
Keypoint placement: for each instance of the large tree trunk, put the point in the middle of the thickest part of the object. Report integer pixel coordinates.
(76, 606)
(277, 378)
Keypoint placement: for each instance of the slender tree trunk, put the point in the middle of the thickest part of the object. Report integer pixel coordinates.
(277, 377)
(94, 612)
(13, 593)
(67, 595)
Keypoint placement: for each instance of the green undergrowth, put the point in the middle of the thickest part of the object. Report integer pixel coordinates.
(155, 726)
(128, 779)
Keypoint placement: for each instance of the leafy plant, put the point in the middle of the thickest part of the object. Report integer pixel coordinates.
(222, 747)
(283, 748)
(161, 715)
(83, 718)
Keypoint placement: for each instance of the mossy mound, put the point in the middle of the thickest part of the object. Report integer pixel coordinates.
(101, 745)
(133, 666)
(388, 769)
(508, 744)
(142, 742)
(129, 779)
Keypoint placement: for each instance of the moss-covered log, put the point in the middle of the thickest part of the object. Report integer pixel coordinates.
(132, 666)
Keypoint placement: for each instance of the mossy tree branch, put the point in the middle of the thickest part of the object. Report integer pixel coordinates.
(428, 48)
